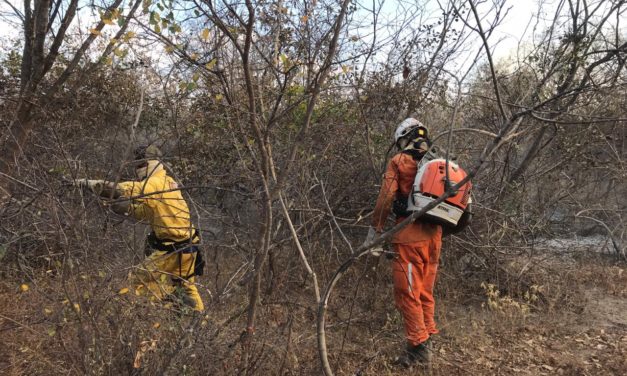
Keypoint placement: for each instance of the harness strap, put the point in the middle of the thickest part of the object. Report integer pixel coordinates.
(183, 246)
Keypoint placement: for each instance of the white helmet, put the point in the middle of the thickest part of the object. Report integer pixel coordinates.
(406, 126)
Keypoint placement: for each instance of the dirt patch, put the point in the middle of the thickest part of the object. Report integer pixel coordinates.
(607, 310)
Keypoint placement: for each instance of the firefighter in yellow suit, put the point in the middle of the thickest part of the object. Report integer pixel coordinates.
(173, 242)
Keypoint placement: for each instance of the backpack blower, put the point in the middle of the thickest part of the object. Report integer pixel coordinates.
(431, 181)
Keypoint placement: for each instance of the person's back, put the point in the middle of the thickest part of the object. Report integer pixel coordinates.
(397, 184)
(158, 201)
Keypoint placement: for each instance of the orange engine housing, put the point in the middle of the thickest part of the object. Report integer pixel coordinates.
(431, 182)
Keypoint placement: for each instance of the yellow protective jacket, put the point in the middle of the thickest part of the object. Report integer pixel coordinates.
(158, 201)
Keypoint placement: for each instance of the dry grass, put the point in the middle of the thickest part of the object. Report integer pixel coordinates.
(577, 327)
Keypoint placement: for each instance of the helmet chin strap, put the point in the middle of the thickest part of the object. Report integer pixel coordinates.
(152, 166)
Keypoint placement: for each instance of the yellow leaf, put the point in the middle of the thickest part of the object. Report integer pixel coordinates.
(24, 287)
(101, 273)
(128, 36)
(218, 97)
(211, 64)
(204, 34)
(77, 307)
(194, 56)
(107, 21)
(156, 325)
(304, 18)
(108, 61)
(123, 291)
(345, 68)
(95, 32)
(113, 41)
(66, 301)
(115, 13)
(47, 311)
(169, 49)
(196, 76)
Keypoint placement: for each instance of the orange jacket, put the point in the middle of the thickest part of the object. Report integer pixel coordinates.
(398, 179)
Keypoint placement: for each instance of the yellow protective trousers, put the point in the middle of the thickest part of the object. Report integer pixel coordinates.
(161, 273)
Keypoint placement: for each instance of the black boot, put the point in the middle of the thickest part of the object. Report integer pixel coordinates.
(419, 354)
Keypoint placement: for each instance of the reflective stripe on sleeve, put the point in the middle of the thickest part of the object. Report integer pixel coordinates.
(409, 276)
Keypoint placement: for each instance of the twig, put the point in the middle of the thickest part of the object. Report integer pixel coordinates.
(615, 242)
(495, 81)
(286, 214)
(326, 201)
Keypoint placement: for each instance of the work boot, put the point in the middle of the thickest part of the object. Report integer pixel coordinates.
(419, 354)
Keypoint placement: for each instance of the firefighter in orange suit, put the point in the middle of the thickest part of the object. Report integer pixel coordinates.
(417, 245)
(174, 258)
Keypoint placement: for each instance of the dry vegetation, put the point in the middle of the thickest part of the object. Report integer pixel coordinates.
(276, 117)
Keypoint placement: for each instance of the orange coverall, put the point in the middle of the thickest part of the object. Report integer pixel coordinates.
(418, 253)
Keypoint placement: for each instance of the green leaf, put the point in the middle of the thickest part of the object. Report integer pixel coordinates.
(196, 76)
(160, 7)
(121, 21)
(191, 86)
(157, 28)
(146, 5)
(286, 61)
(154, 18)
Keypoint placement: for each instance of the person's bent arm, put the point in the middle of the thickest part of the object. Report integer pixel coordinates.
(389, 187)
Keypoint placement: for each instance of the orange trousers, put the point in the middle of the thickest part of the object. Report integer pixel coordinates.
(414, 273)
